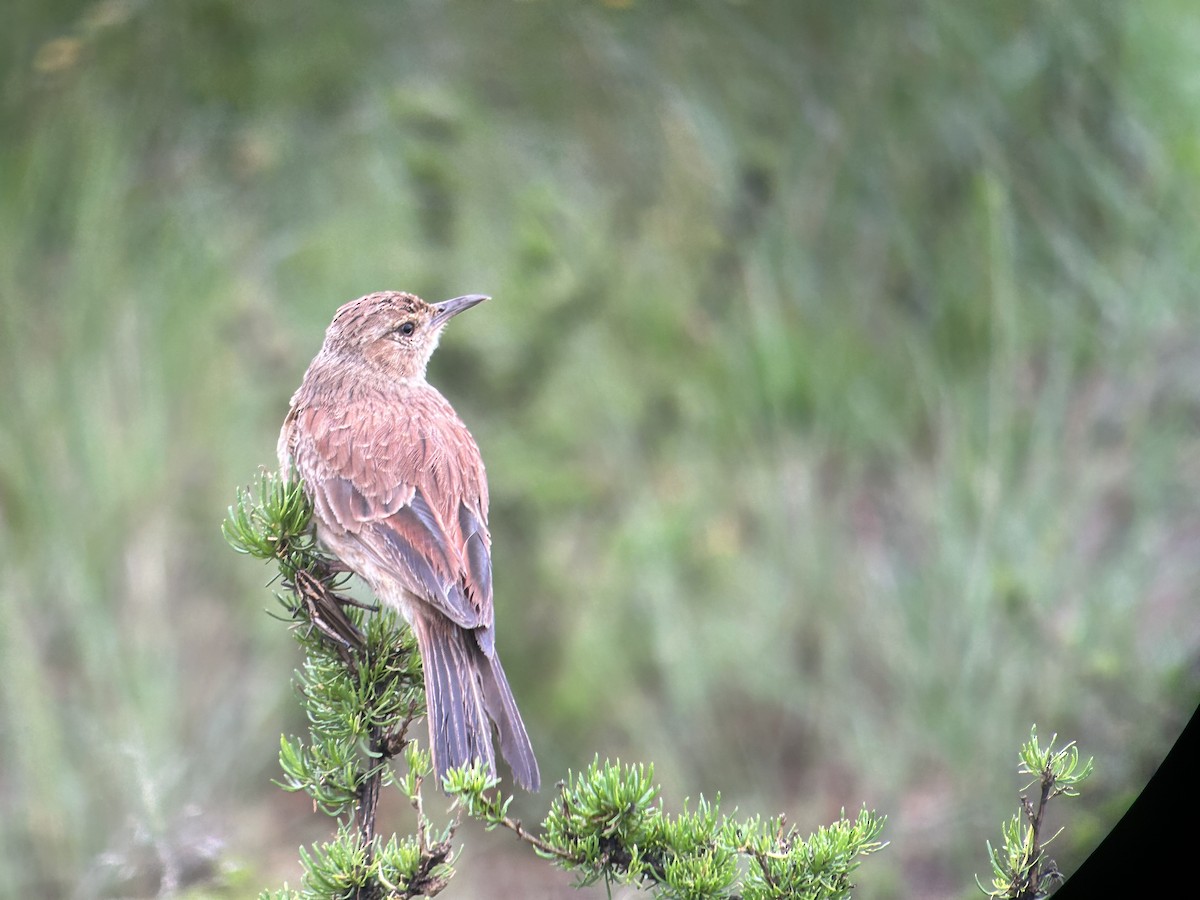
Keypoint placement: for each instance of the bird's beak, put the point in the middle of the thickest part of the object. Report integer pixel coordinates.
(447, 309)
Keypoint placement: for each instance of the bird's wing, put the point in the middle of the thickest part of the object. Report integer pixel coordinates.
(409, 489)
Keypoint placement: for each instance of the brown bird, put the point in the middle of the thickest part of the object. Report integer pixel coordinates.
(400, 496)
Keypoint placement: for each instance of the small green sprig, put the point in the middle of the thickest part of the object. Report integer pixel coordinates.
(602, 820)
(1021, 870)
(270, 521)
(819, 867)
(398, 869)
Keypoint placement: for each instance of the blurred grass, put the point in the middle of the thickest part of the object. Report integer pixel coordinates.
(839, 396)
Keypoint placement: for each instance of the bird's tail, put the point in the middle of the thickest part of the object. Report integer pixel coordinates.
(465, 692)
(502, 708)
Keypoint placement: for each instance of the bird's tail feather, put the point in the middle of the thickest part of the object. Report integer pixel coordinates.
(514, 740)
(465, 691)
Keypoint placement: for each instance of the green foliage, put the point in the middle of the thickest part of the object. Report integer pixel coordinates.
(352, 709)
(345, 868)
(608, 825)
(604, 812)
(270, 522)
(818, 867)
(1020, 868)
(361, 689)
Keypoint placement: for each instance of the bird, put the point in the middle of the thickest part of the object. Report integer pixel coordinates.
(400, 497)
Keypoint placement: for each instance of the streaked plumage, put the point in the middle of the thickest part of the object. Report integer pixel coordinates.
(400, 496)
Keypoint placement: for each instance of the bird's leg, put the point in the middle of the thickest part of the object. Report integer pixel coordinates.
(325, 612)
(329, 571)
(343, 600)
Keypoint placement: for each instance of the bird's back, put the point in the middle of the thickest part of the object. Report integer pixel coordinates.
(399, 492)
(383, 438)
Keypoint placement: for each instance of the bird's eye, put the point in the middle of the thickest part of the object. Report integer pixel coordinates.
(407, 328)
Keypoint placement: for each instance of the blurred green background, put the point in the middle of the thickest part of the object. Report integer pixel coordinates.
(839, 398)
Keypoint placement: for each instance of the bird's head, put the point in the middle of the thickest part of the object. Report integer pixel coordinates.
(392, 331)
